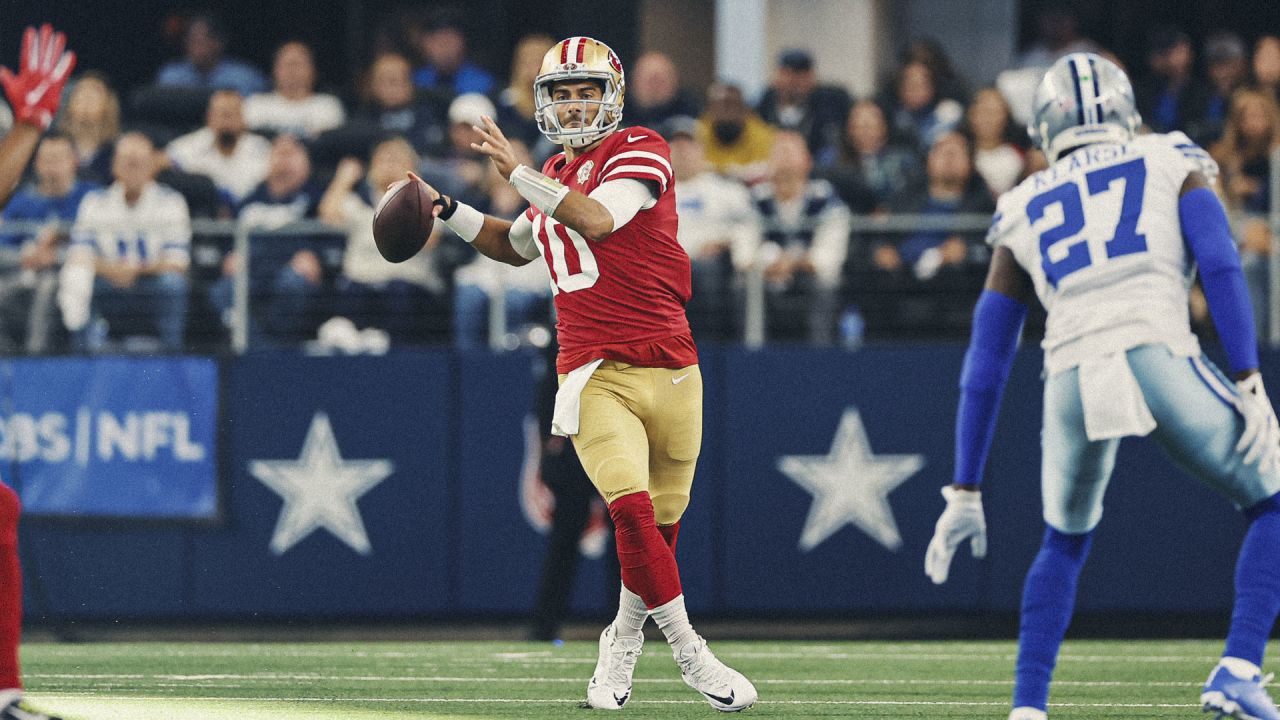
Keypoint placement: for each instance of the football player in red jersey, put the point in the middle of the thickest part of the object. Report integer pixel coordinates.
(33, 94)
(602, 216)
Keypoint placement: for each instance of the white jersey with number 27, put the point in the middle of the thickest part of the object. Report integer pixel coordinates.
(1099, 234)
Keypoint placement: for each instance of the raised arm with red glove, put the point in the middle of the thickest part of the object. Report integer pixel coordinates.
(45, 66)
(33, 94)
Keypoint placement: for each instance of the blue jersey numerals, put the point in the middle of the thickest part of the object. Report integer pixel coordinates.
(131, 247)
(1126, 240)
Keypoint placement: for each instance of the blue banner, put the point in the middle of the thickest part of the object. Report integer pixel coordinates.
(111, 437)
(402, 486)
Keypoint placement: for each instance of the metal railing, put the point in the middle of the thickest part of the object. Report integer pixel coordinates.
(753, 300)
(754, 309)
(240, 234)
(755, 313)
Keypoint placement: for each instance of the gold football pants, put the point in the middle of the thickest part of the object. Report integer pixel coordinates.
(640, 429)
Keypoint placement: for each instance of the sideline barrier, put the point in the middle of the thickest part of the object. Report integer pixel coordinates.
(388, 487)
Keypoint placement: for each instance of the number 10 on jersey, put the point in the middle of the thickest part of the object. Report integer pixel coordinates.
(568, 256)
(1126, 239)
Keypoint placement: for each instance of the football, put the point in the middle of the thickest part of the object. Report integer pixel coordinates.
(402, 221)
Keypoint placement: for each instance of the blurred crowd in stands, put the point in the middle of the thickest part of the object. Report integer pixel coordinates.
(781, 195)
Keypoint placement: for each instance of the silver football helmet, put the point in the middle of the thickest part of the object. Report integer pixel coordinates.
(1083, 99)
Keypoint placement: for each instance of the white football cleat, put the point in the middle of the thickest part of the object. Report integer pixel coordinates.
(13, 708)
(1028, 713)
(610, 686)
(725, 688)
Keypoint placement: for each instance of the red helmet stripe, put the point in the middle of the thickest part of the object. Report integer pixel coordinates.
(582, 48)
(564, 51)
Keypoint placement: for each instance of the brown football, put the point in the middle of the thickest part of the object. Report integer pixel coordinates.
(402, 221)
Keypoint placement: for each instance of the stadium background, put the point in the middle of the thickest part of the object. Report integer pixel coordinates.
(448, 538)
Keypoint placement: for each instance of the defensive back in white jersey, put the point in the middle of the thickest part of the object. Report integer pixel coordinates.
(1100, 236)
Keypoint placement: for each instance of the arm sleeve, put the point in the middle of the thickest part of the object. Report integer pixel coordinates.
(84, 241)
(831, 245)
(75, 280)
(997, 325)
(624, 198)
(1208, 236)
(177, 233)
(521, 237)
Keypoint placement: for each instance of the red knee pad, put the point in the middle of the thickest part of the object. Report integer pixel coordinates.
(633, 521)
(10, 509)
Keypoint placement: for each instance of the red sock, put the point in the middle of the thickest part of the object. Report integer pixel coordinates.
(648, 567)
(10, 589)
(670, 533)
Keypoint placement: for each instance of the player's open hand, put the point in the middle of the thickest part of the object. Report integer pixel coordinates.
(963, 519)
(45, 65)
(496, 146)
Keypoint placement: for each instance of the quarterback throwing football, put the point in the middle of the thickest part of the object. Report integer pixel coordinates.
(602, 216)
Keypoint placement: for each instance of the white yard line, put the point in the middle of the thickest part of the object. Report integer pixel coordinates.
(276, 677)
(50, 698)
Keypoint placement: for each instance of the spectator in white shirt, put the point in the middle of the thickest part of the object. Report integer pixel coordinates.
(294, 107)
(236, 160)
(397, 297)
(126, 269)
(716, 216)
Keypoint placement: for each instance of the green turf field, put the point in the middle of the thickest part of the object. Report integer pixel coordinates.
(151, 681)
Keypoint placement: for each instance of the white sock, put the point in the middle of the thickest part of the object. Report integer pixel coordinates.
(1242, 669)
(632, 614)
(10, 695)
(674, 622)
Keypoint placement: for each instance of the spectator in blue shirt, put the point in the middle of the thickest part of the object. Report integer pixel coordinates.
(287, 274)
(444, 52)
(394, 107)
(951, 187)
(28, 260)
(205, 66)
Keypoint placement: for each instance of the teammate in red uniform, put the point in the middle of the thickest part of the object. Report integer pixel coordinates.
(33, 94)
(603, 218)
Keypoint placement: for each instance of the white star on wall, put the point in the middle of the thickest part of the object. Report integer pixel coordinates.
(320, 490)
(850, 484)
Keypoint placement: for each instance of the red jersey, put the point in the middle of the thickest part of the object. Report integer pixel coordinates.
(621, 298)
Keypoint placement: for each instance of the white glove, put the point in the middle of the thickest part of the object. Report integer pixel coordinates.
(962, 519)
(1260, 441)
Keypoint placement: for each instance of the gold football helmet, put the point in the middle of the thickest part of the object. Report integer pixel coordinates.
(579, 58)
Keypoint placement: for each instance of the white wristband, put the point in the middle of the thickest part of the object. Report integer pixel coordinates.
(541, 191)
(466, 221)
